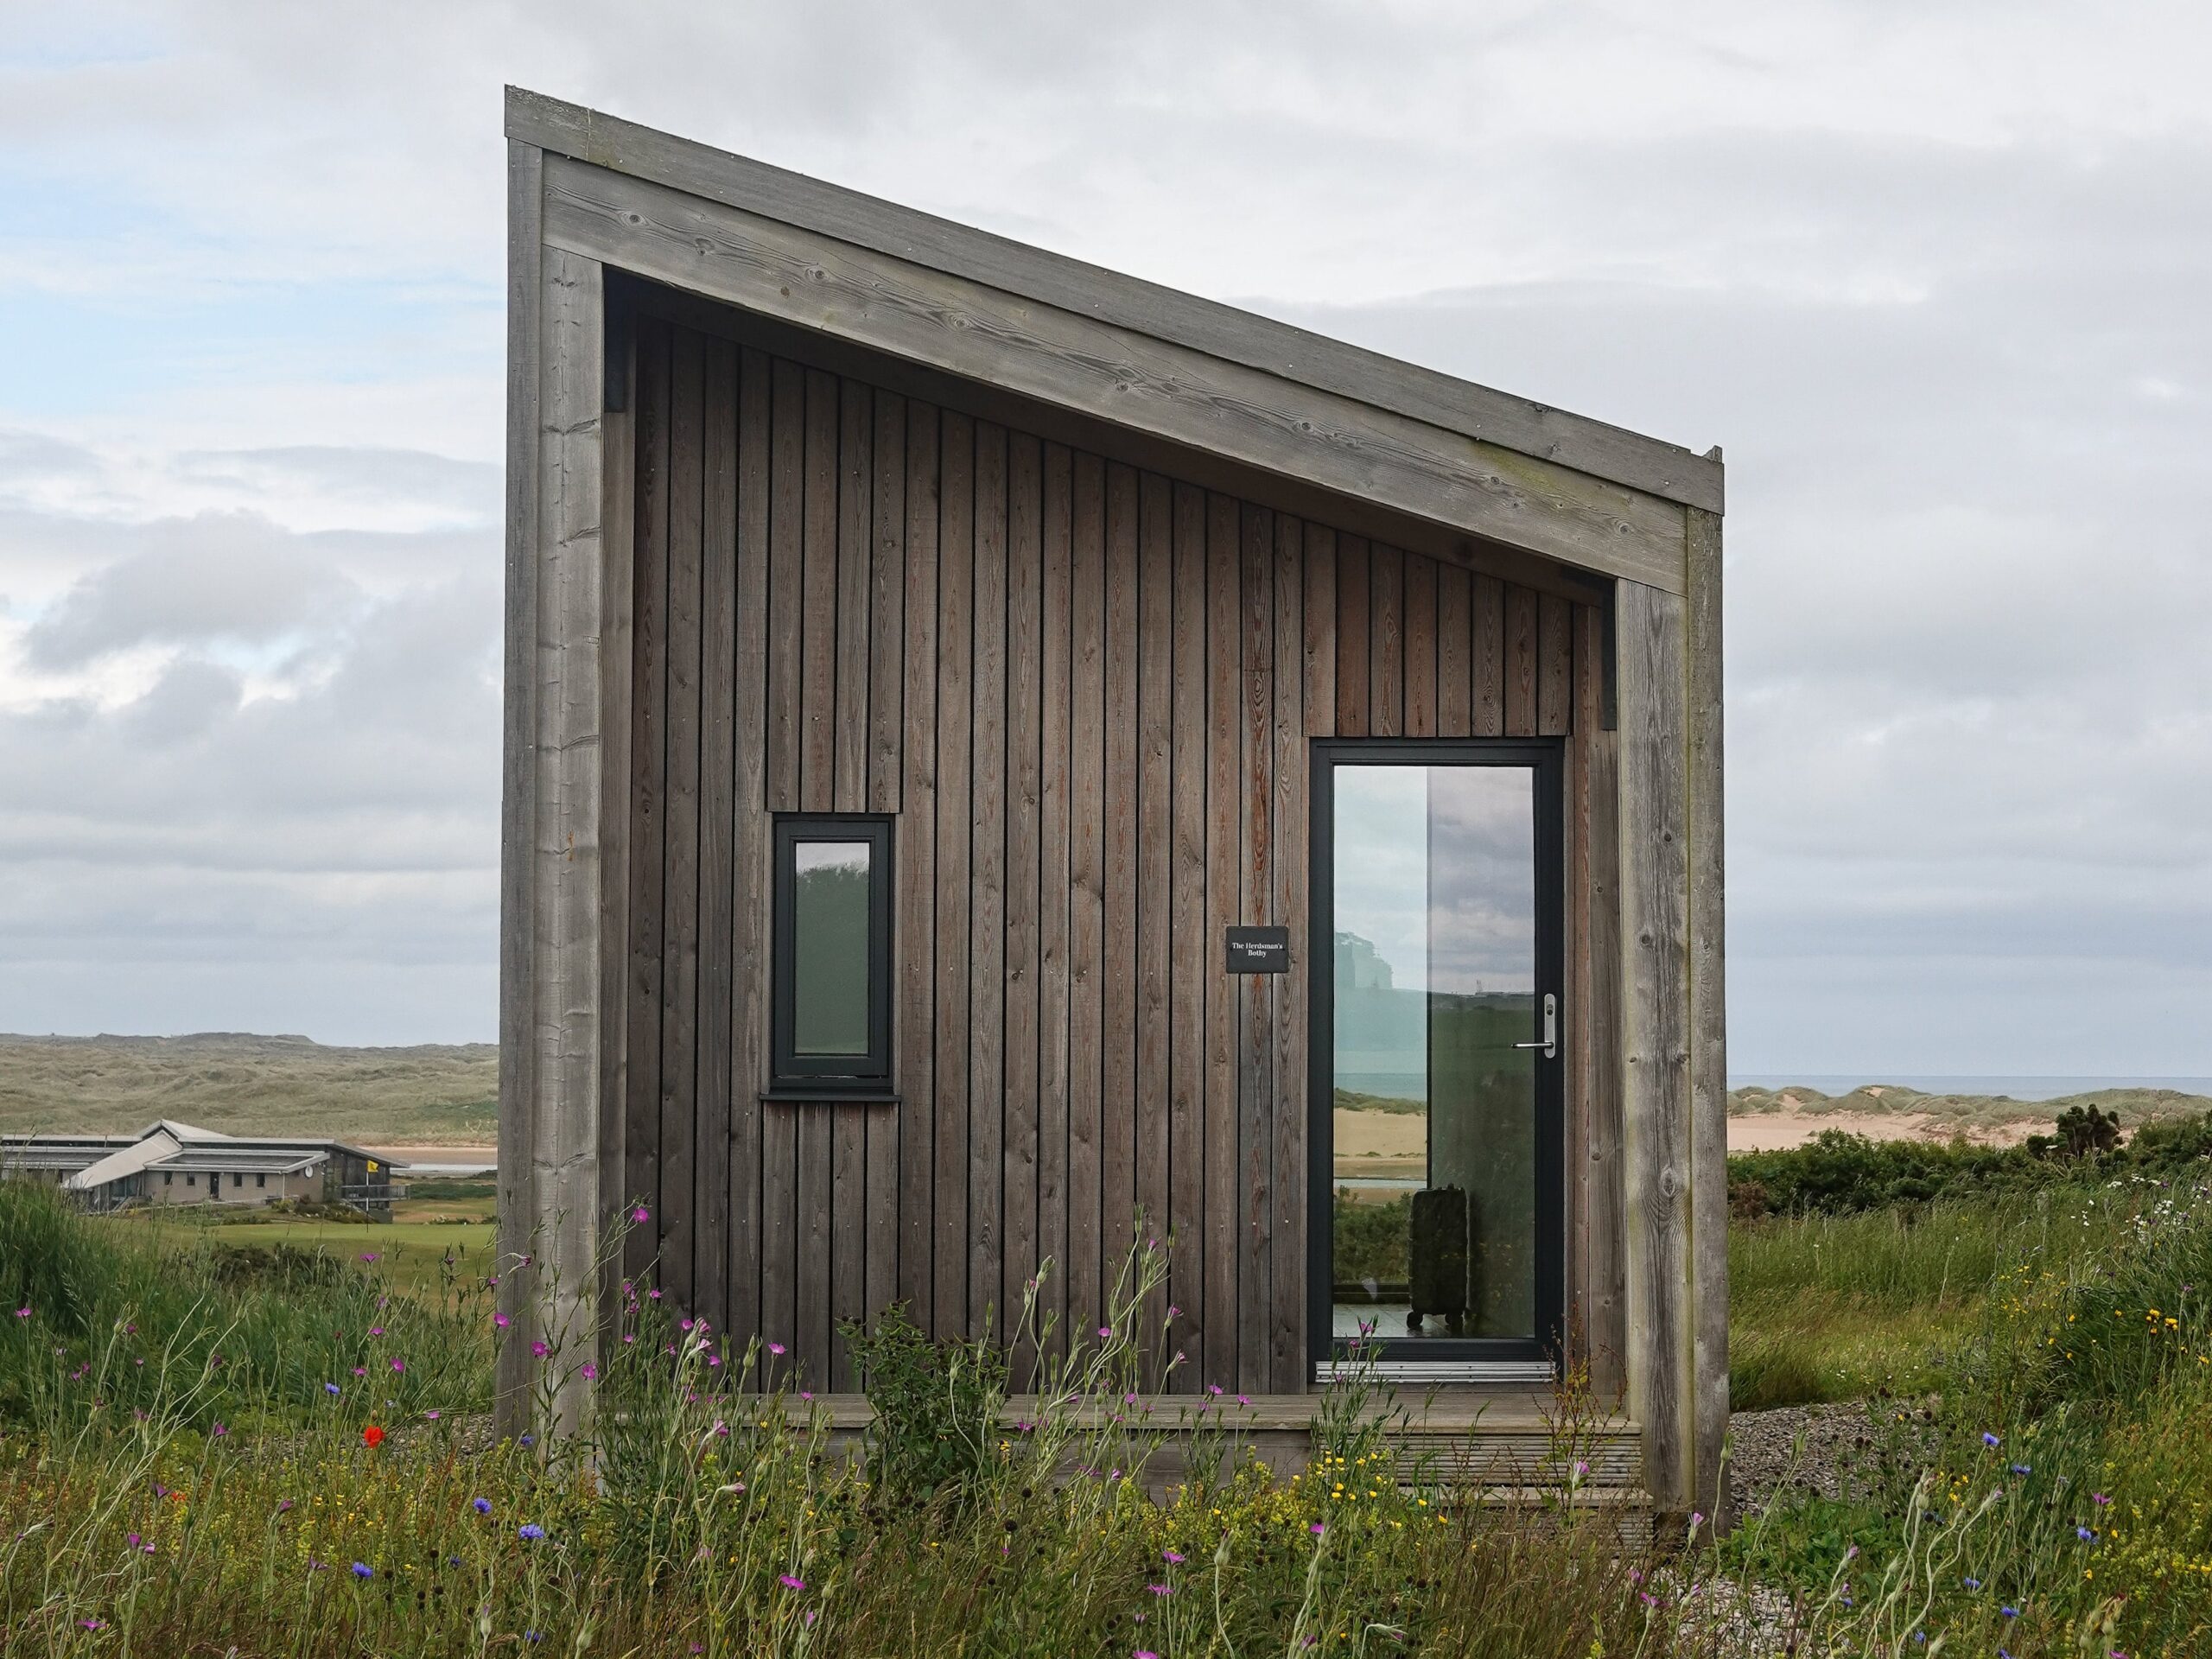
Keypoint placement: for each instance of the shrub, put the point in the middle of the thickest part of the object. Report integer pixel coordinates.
(936, 1406)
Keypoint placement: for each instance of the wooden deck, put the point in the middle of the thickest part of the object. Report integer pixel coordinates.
(1504, 1448)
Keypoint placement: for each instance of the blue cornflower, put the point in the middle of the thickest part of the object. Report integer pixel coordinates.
(2022, 1468)
(1974, 1584)
(483, 1506)
(529, 1532)
(1987, 1439)
(2010, 1612)
(2085, 1534)
(363, 1570)
(330, 1387)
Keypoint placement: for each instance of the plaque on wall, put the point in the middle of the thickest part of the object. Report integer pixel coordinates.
(1259, 950)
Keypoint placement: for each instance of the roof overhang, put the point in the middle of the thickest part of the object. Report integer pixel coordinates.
(1183, 369)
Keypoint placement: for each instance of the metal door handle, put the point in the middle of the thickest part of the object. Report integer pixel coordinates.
(1549, 1041)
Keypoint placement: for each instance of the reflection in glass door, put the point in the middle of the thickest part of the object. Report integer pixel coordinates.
(1442, 1121)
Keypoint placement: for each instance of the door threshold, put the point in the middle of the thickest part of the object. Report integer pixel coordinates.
(1436, 1371)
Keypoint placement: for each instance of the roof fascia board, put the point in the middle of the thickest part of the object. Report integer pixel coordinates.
(1349, 515)
(1528, 427)
(1138, 380)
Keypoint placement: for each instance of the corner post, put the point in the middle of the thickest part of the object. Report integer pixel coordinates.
(1655, 1038)
(1675, 1038)
(551, 988)
(1708, 1023)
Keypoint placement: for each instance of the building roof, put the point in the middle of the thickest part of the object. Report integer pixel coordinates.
(1509, 470)
(97, 1159)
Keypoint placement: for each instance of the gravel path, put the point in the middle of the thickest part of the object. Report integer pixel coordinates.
(1836, 1452)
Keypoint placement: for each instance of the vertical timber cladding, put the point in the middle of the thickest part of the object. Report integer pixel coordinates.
(1086, 690)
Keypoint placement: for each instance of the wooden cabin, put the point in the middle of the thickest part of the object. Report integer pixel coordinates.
(1004, 760)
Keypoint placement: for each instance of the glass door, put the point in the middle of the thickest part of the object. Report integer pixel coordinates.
(1437, 1064)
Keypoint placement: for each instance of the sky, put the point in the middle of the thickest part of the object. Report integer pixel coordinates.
(1933, 275)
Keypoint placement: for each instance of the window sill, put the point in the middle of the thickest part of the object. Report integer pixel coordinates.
(831, 1096)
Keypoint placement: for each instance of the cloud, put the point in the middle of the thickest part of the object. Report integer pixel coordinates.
(1933, 275)
(220, 579)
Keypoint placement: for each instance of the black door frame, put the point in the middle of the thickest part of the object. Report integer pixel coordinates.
(1545, 759)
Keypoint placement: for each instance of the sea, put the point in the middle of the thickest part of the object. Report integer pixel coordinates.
(2017, 1088)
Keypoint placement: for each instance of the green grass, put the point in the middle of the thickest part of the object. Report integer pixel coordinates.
(701, 1522)
(416, 1253)
(2057, 1497)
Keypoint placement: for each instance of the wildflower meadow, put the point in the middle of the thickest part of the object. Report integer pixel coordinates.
(299, 1461)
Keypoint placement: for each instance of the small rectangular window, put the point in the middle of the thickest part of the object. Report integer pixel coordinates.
(832, 992)
(260, 1177)
(168, 1176)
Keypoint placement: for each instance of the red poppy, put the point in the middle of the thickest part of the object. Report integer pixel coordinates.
(372, 1436)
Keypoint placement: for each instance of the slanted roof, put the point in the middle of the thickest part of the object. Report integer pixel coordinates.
(167, 1144)
(1507, 470)
(142, 1154)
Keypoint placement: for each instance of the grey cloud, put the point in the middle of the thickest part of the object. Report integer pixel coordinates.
(221, 577)
(1965, 386)
(357, 477)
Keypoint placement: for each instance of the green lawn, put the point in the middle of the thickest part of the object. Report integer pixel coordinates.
(410, 1251)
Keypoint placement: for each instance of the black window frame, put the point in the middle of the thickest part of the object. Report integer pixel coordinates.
(1545, 759)
(794, 1076)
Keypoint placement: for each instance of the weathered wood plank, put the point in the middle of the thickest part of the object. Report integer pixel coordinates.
(1421, 647)
(1354, 596)
(1489, 655)
(817, 1126)
(1656, 1107)
(708, 1198)
(914, 926)
(1076, 362)
(781, 1247)
(1595, 1012)
(750, 886)
(1286, 1361)
(987, 933)
(618, 672)
(1520, 663)
(786, 578)
(1019, 1257)
(564, 884)
(1055, 783)
(1455, 684)
(1320, 612)
(1386, 649)
(1708, 1023)
(817, 625)
(887, 601)
(855, 539)
(679, 1032)
(1554, 665)
(1188, 933)
(887, 673)
(519, 765)
(1117, 1162)
(1258, 342)
(1224, 840)
(955, 573)
(1255, 992)
(847, 1202)
(647, 791)
(1086, 892)
(1154, 823)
